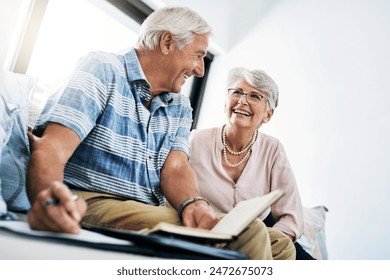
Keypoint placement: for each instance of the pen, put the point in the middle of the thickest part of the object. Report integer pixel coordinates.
(56, 201)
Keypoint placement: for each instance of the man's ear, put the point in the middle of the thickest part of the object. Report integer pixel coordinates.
(268, 116)
(166, 42)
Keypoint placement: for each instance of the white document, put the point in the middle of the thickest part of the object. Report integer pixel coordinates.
(84, 235)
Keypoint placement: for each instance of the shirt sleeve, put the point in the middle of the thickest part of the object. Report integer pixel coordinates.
(79, 104)
(288, 210)
(181, 141)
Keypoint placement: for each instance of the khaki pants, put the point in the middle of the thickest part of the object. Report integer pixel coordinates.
(257, 241)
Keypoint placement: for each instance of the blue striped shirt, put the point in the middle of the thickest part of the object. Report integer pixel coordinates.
(123, 144)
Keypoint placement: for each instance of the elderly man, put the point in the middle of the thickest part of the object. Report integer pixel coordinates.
(118, 137)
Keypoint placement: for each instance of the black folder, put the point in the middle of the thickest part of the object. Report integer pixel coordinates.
(169, 246)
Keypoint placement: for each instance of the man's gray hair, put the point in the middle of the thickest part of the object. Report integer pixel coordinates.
(181, 22)
(257, 79)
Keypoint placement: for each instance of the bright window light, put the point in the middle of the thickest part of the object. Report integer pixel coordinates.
(70, 30)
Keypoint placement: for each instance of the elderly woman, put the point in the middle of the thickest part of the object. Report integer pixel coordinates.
(237, 162)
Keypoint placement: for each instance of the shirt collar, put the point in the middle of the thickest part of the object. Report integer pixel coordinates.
(136, 74)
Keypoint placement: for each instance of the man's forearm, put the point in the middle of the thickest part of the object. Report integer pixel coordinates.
(179, 184)
(49, 155)
(44, 167)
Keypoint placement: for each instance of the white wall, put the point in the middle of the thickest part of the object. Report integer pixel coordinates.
(331, 60)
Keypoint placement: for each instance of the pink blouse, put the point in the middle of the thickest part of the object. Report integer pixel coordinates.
(267, 169)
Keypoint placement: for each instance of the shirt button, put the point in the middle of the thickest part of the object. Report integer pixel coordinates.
(150, 157)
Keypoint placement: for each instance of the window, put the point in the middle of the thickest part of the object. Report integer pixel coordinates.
(71, 29)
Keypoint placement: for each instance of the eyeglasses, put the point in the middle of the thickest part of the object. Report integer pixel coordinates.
(252, 97)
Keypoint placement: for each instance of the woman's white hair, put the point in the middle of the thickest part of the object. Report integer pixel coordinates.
(181, 22)
(257, 79)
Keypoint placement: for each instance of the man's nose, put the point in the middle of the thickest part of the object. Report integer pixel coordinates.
(199, 70)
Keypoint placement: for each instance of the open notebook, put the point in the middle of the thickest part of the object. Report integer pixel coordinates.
(229, 227)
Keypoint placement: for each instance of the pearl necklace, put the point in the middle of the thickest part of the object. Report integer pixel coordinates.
(226, 148)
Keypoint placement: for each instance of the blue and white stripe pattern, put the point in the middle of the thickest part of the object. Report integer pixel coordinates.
(123, 144)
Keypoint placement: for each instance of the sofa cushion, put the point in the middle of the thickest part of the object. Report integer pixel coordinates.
(313, 239)
(4, 135)
(15, 91)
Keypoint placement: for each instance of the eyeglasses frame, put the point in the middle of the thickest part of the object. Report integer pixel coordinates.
(247, 94)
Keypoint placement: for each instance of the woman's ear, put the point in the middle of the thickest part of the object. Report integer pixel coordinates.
(166, 41)
(268, 115)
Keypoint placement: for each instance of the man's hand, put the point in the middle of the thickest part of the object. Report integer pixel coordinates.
(199, 214)
(63, 216)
